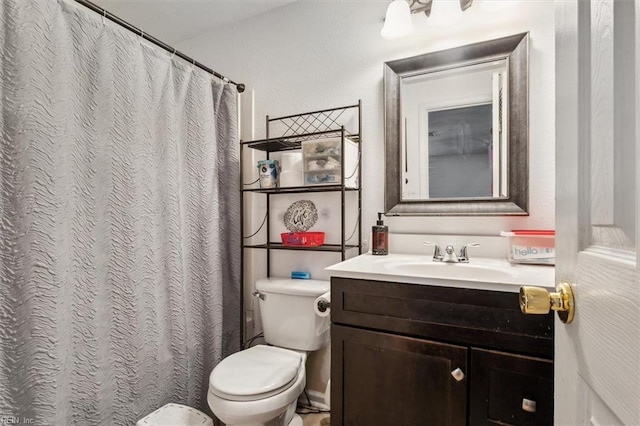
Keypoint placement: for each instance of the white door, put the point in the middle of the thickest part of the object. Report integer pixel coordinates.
(597, 359)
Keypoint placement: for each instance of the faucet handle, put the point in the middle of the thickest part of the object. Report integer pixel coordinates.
(437, 254)
(463, 256)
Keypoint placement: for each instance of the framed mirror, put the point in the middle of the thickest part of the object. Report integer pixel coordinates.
(456, 130)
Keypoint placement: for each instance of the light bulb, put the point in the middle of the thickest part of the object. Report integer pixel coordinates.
(397, 22)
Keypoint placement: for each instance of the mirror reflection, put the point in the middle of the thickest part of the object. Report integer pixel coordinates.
(455, 133)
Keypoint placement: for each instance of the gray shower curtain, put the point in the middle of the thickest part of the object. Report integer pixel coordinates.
(119, 220)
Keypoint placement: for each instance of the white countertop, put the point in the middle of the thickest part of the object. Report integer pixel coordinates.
(479, 273)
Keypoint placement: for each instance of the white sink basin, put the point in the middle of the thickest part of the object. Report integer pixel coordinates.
(480, 273)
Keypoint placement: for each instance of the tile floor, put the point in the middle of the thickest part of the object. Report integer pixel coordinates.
(321, 419)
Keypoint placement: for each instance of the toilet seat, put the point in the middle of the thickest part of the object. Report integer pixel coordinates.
(255, 373)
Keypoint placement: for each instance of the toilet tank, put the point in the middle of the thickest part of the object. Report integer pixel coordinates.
(288, 319)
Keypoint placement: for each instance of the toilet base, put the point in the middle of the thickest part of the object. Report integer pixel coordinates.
(288, 417)
(296, 420)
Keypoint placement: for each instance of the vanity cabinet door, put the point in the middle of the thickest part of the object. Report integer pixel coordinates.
(508, 389)
(385, 379)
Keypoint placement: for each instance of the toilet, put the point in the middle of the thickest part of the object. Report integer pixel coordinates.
(260, 386)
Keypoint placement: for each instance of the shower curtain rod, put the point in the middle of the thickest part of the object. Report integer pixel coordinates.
(155, 41)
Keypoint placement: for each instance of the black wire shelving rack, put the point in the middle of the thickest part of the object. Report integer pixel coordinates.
(287, 133)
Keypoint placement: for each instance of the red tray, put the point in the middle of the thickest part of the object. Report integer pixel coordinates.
(307, 239)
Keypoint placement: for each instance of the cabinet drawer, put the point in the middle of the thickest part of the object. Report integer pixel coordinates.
(458, 315)
(509, 389)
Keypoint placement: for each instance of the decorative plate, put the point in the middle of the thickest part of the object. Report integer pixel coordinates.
(300, 216)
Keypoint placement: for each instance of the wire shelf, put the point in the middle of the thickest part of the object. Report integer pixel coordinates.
(280, 246)
(316, 121)
(299, 189)
(292, 142)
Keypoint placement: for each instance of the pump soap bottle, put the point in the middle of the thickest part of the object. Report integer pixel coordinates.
(380, 237)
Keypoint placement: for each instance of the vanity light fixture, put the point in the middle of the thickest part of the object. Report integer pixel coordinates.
(397, 22)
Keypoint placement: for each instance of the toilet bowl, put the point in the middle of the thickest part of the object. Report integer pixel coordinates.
(257, 386)
(260, 386)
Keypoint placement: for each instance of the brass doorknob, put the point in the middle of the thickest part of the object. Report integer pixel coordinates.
(538, 300)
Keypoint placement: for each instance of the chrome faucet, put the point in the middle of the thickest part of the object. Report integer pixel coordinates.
(463, 257)
(449, 255)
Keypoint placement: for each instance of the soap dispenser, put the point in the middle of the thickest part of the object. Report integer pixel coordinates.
(380, 237)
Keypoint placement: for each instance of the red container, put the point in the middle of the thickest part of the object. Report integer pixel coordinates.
(307, 239)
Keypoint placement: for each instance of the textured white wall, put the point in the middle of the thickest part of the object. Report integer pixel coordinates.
(312, 55)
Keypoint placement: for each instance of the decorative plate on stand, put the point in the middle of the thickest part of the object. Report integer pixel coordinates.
(300, 216)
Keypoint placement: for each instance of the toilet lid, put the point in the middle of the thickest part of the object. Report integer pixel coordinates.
(255, 373)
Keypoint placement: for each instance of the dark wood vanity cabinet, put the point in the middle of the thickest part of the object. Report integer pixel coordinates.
(388, 379)
(406, 354)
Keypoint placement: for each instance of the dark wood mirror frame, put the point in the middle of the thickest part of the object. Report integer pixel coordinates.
(516, 49)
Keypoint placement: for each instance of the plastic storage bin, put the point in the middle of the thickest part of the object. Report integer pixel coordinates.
(322, 162)
(531, 246)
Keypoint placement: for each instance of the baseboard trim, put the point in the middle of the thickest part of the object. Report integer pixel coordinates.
(316, 398)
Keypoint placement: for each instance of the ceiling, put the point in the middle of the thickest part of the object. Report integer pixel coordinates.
(178, 20)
